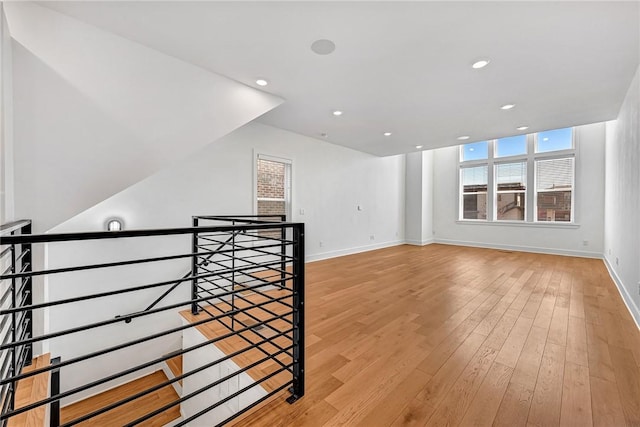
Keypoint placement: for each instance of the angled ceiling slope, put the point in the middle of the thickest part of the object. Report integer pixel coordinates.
(401, 67)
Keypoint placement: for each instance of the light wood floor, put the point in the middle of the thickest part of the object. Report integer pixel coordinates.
(30, 390)
(445, 335)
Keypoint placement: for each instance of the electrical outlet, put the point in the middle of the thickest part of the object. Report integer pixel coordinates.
(301, 211)
(585, 243)
(321, 243)
(617, 261)
(372, 237)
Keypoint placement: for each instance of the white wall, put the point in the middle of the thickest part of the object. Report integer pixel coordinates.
(535, 238)
(622, 202)
(95, 112)
(6, 123)
(419, 198)
(329, 182)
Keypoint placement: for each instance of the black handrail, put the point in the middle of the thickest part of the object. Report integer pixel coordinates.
(245, 253)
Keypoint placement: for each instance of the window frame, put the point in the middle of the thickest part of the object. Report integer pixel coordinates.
(287, 183)
(530, 159)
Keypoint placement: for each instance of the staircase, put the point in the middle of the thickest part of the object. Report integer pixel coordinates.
(32, 389)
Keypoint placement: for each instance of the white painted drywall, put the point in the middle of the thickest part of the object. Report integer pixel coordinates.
(535, 238)
(419, 198)
(6, 123)
(622, 201)
(96, 113)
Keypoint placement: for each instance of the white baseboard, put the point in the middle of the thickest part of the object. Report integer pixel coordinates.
(626, 297)
(419, 242)
(351, 251)
(517, 248)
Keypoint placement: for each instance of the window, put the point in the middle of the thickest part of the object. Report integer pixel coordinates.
(273, 190)
(495, 177)
(474, 192)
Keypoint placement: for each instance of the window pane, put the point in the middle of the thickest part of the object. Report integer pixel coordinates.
(554, 206)
(475, 151)
(511, 176)
(512, 146)
(474, 206)
(511, 206)
(270, 179)
(553, 140)
(554, 174)
(474, 179)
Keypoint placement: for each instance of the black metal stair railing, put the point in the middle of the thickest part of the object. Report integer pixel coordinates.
(243, 278)
(16, 292)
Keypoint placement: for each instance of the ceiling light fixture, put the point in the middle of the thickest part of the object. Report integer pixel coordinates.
(507, 106)
(337, 113)
(418, 146)
(463, 137)
(480, 64)
(323, 47)
(387, 134)
(262, 82)
(522, 128)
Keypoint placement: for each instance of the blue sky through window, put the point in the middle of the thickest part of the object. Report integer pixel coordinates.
(553, 140)
(511, 146)
(475, 151)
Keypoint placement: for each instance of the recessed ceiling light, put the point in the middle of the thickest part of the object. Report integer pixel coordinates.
(323, 47)
(262, 82)
(463, 137)
(387, 134)
(337, 113)
(507, 106)
(418, 146)
(522, 128)
(480, 64)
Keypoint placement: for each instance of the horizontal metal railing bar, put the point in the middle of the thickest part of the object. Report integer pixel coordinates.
(254, 265)
(202, 390)
(98, 235)
(255, 331)
(244, 248)
(110, 293)
(131, 370)
(151, 390)
(244, 220)
(10, 227)
(231, 217)
(244, 270)
(127, 344)
(242, 258)
(102, 265)
(231, 396)
(254, 290)
(258, 249)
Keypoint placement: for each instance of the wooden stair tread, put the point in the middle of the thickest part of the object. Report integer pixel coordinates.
(232, 344)
(30, 390)
(129, 411)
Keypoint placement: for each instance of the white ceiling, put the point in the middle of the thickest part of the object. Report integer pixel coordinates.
(402, 67)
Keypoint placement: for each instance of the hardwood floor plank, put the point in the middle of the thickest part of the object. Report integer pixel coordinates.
(409, 336)
(576, 397)
(486, 402)
(547, 396)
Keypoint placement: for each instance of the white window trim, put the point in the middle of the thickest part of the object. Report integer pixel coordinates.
(287, 185)
(530, 193)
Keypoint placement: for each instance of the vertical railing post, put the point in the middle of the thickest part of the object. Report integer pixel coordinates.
(194, 269)
(283, 253)
(233, 275)
(297, 389)
(54, 407)
(14, 360)
(27, 260)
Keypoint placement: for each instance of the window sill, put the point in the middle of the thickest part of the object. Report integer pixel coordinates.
(520, 224)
